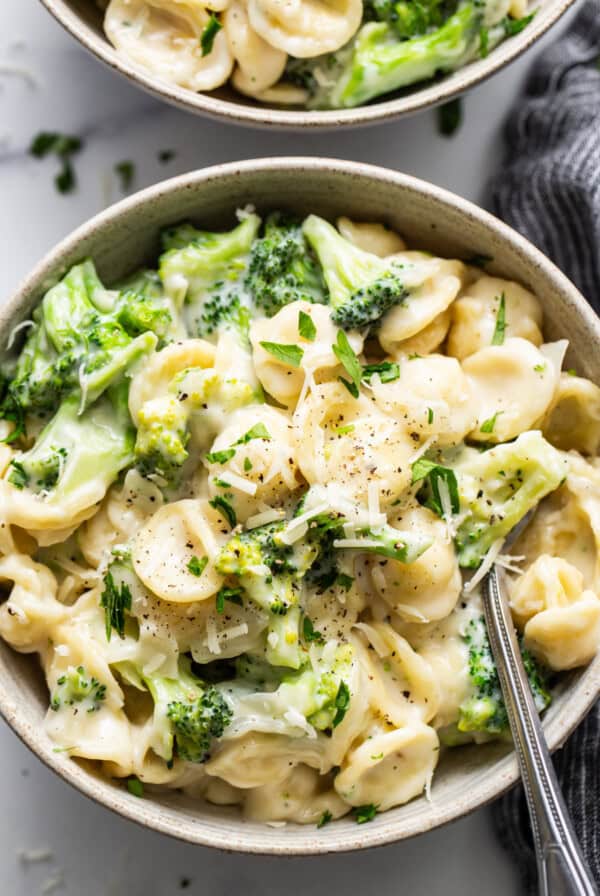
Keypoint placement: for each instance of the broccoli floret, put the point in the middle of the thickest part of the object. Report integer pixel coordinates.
(379, 60)
(196, 401)
(319, 692)
(207, 273)
(76, 344)
(77, 687)
(162, 437)
(362, 286)
(484, 710)
(498, 487)
(267, 566)
(282, 268)
(270, 572)
(188, 714)
(409, 18)
(326, 530)
(75, 449)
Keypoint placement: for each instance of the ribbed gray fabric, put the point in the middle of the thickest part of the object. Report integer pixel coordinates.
(549, 190)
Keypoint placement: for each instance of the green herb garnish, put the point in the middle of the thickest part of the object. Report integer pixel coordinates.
(225, 507)
(500, 328)
(488, 425)
(115, 602)
(388, 371)
(306, 326)
(424, 469)
(220, 457)
(450, 117)
(288, 354)
(362, 814)
(197, 565)
(210, 31)
(349, 361)
(125, 171)
(135, 786)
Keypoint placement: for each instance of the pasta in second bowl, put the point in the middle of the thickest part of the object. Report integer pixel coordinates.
(258, 485)
(306, 63)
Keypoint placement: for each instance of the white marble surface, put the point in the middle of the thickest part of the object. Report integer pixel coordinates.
(61, 88)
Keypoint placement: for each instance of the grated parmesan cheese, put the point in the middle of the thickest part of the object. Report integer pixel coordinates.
(243, 485)
(13, 333)
(228, 634)
(267, 516)
(212, 639)
(297, 527)
(355, 543)
(486, 564)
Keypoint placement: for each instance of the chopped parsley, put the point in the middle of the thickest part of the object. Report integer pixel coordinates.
(310, 634)
(64, 147)
(345, 430)
(288, 354)
(488, 425)
(362, 814)
(484, 42)
(197, 565)
(515, 26)
(349, 361)
(115, 600)
(325, 818)
(210, 31)
(220, 503)
(233, 595)
(450, 117)
(259, 431)
(135, 786)
(344, 581)
(500, 328)
(125, 171)
(424, 469)
(342, 702)
(539, 368)
(430, 415)
(247, 464)
(479, 260)
(306, 326)
(388, 371)
(18, 476)
(220, 457)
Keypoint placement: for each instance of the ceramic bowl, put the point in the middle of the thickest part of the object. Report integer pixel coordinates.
(83, 19)
(125, 237)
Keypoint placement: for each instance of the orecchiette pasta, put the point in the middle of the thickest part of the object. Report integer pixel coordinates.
(165, 37)
(439, 283)
(305, 28)
(259, 64)
(513, 385)
(475, 313)
(249, 558)
(561, 621)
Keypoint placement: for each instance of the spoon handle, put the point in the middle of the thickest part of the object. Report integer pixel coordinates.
(562, 869)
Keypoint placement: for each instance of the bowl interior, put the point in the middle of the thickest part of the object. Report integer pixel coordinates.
(126, 236)
(83, 19)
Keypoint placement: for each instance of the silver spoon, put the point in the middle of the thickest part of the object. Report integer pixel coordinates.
(562, 869)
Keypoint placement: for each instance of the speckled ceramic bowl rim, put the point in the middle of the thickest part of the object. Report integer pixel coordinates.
(150, 814)
(270, 117)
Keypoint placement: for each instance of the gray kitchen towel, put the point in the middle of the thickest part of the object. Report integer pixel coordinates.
(549, 190)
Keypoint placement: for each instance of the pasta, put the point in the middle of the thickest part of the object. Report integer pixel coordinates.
(248, 549)
(320, 54)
